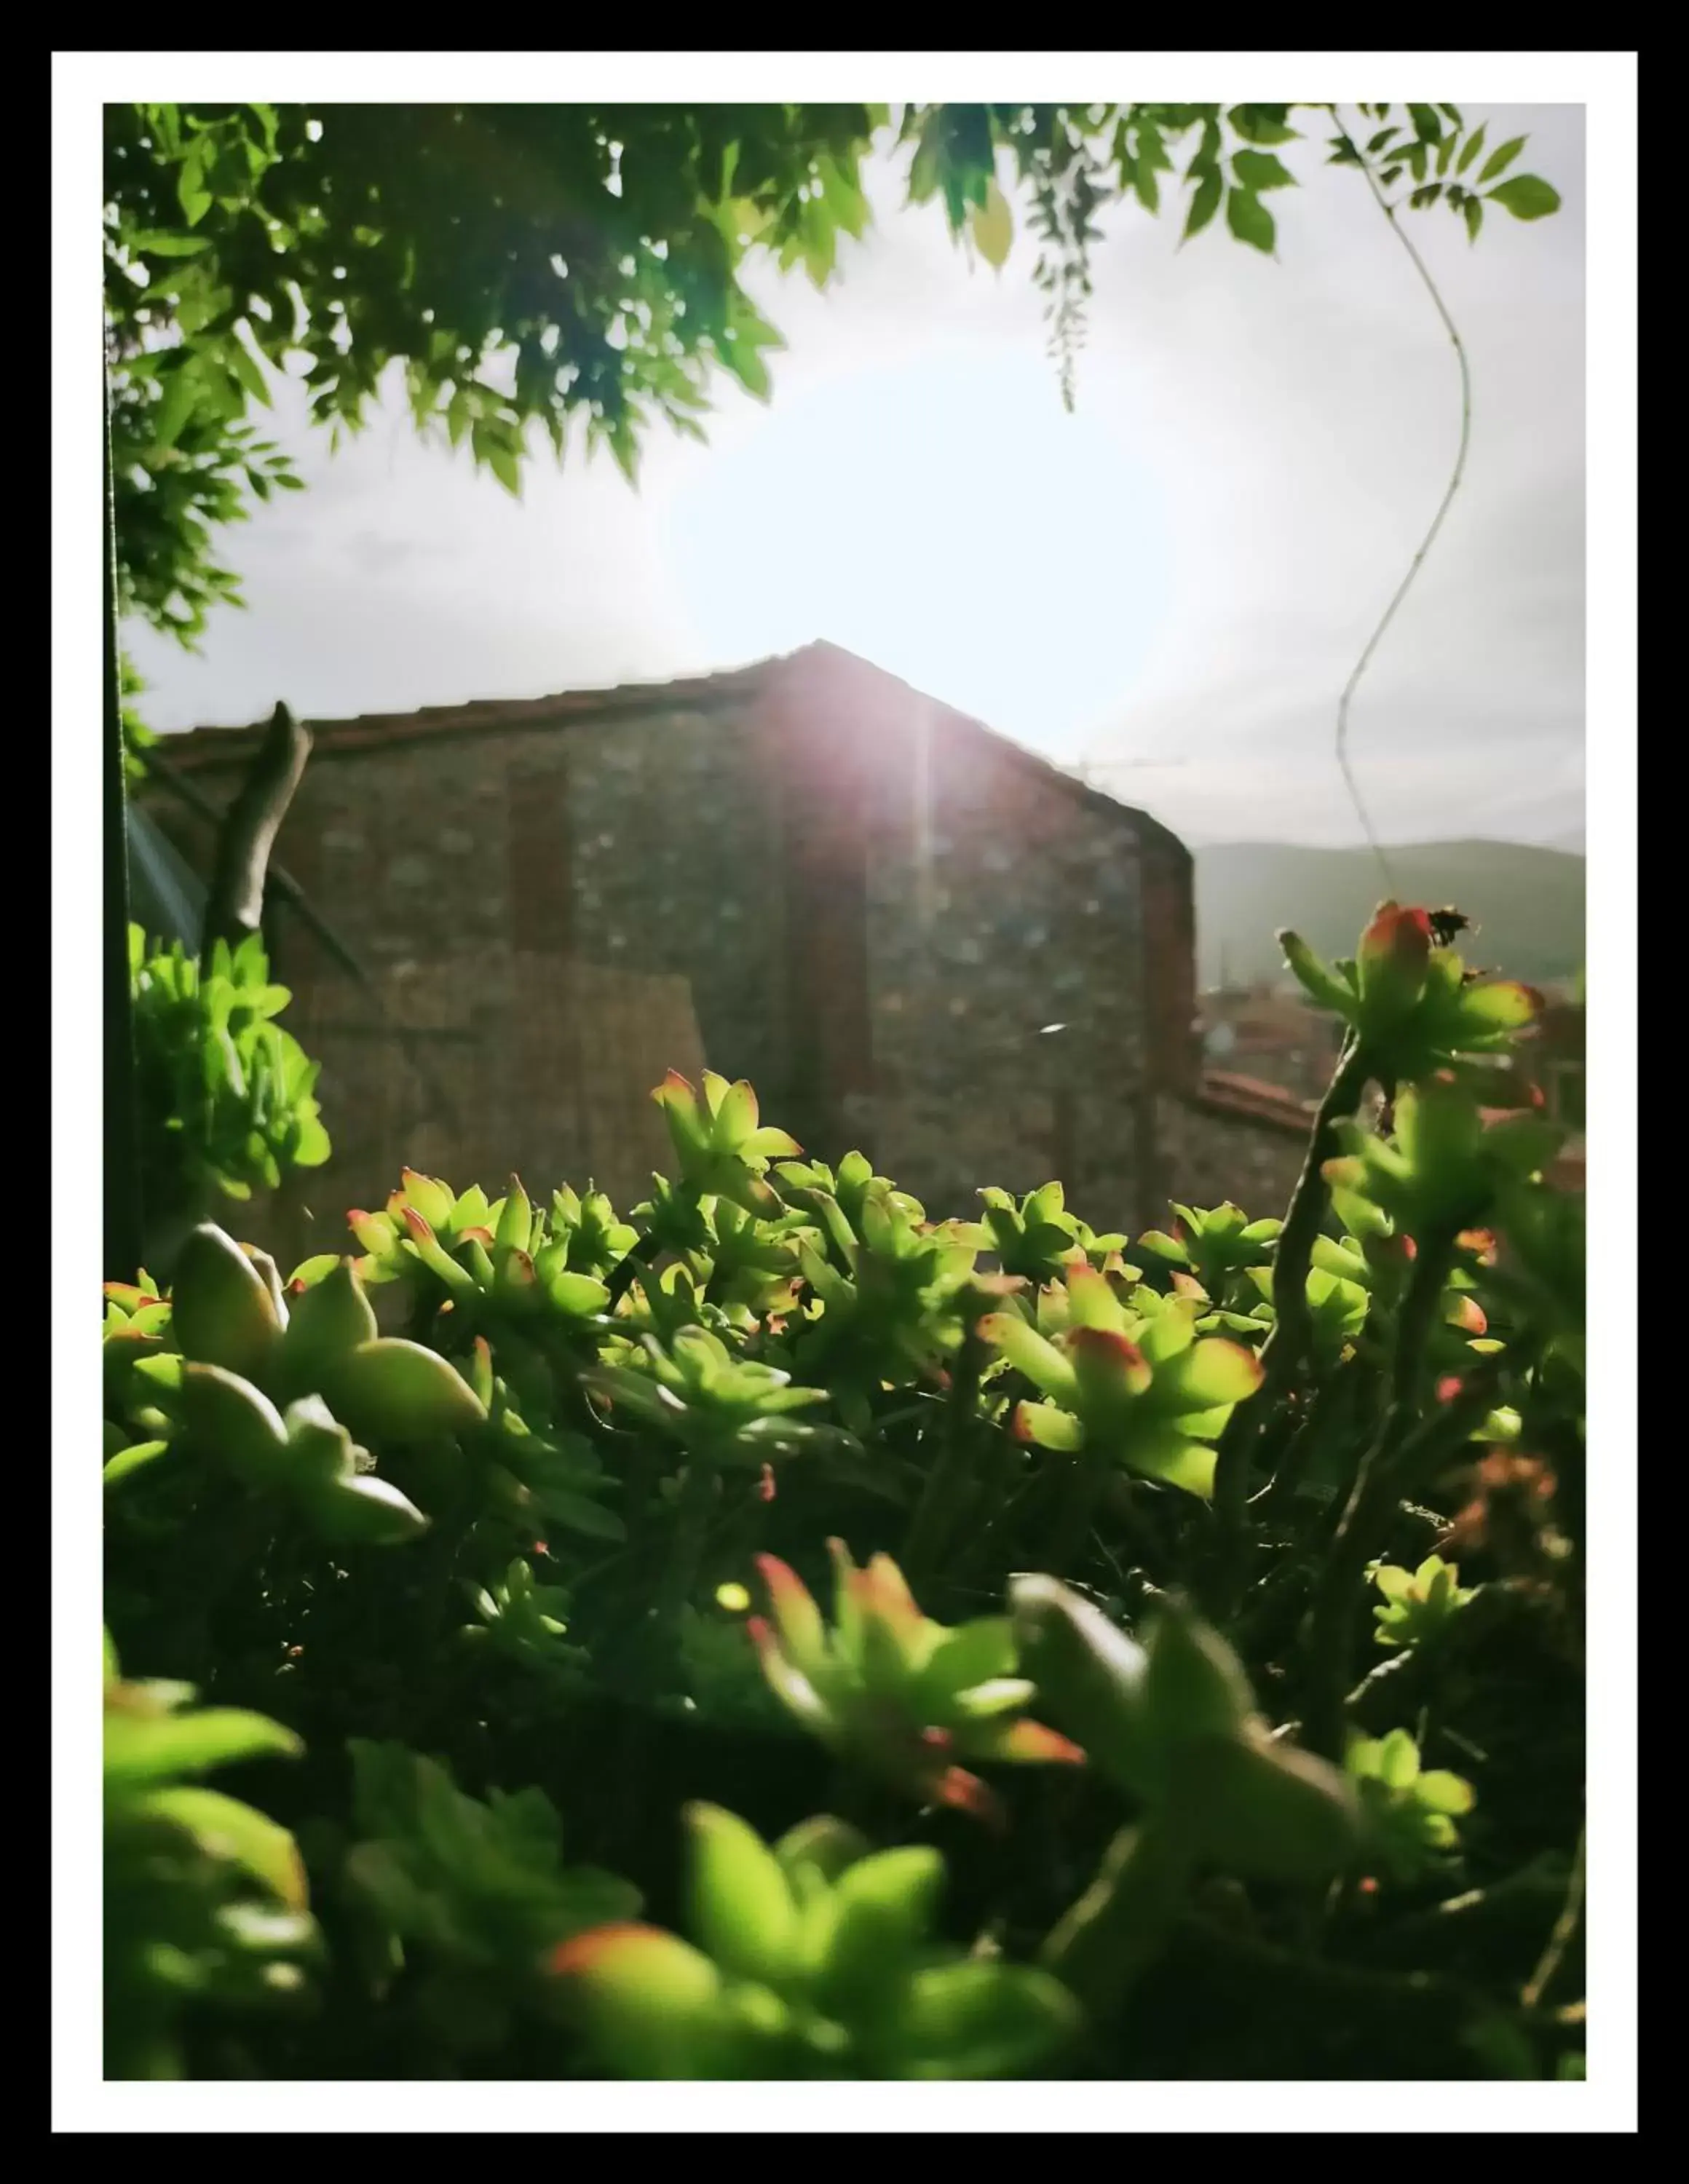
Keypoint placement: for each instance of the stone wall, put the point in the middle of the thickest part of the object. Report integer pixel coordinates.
(1212, 1149)
(998, 908)
(551, 920)
(878, 908)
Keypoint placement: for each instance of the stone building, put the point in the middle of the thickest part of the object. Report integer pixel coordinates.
(912, 935)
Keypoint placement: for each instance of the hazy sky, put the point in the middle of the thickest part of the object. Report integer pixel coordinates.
(1169, 587)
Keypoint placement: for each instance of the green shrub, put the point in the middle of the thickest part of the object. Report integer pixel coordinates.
(504, 1568)
(224, 1095)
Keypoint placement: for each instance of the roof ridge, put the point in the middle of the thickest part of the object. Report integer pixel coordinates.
(211, 741)
(211, 746)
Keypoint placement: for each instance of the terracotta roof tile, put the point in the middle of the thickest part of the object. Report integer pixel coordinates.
(1252, 1099)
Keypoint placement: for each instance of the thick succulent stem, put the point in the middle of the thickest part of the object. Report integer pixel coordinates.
(1400, 1458)
(692, 1506)
(947, 1481)
(1104, 1944)
(1284, 1353)
(122, 1243)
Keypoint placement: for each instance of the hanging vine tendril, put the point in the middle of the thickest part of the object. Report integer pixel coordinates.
(1388, 210)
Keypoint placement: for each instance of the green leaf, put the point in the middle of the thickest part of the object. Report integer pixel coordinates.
(982, 2020)
(246, 369)
(1261, 124)
(740, 1901)
(1090, 1675)
(1048, 1426)
(1503, 157)
(330, 1318)
(1444, 1792)
(885, 1908)
(1262, 170)
(367, 1511)
(1427, 124)
(578, 1513)
(993, 227)
(736, 1115)
(225, 1313)
(972, 1654)
(650, 2003)
(823, 1847)
(516, 1220)
(150, 1747)
(1397, 1760)
(233, 1423)
(1473, 213)
(226, 1830)
(1264, 1809)
(1471, 149)
(503, 462)
(1167, 1455)
(152, 243)
(128, 1461)
(1195, 1684)
(1212, 1373)
(1526, 197)
(391, 1389)
(1249, 219)
(194, 199)
(181, 394)
(1505, 1005)
(1028, 1352)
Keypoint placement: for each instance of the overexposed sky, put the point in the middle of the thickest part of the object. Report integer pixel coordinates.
(1169, 587)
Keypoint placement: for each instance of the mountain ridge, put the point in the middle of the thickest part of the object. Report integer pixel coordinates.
(1527, 902)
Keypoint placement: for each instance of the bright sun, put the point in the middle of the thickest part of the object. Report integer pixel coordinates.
(946, 520)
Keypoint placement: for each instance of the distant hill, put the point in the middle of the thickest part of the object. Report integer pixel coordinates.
(1527, 903)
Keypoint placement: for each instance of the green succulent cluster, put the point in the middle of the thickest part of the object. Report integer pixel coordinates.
(718, 1409)
(1412, 1006)
(1039, 1239)
(283, 1399)
(814, 1958)
(225, 1097)
(502, 1265)
(477, 1884)
(206, 1905)
(1213, 1246)
(1446, 1165)
(1417, 1604)
(889, 1292)
(1218, 1446)
(1407, 1812)
(1172, 1725)
(720, 1142)
(1128, 1379)
(893, 1691)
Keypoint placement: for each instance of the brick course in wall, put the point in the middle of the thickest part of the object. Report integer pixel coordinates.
(909, 933)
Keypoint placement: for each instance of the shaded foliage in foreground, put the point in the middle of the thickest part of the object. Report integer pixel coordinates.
(780, 1634)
